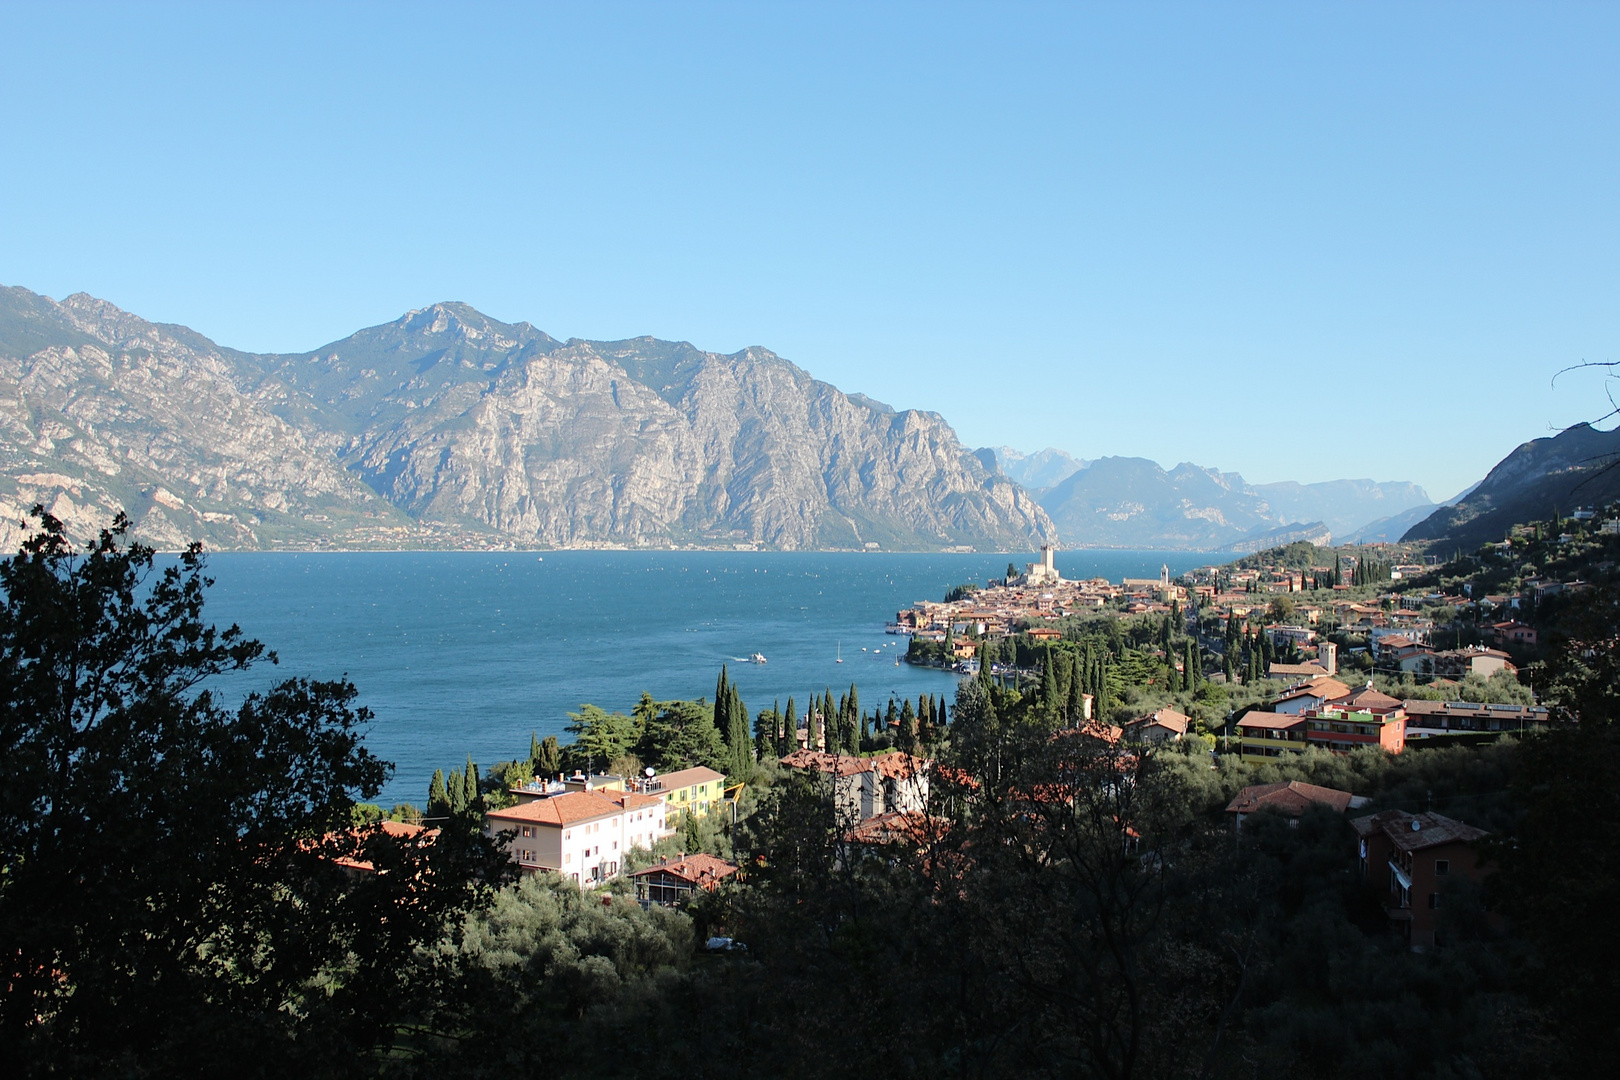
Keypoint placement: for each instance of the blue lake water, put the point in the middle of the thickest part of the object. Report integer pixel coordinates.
(464, 652)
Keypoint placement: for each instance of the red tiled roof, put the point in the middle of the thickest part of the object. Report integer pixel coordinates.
(567, 809)
(1292, 798)
(1269, 720)
(1432, 829)
(354, 841)
(1165, 718)
(701, 774)
(700, 870)
(1323, 687)
(1367, 699)
(903, 826)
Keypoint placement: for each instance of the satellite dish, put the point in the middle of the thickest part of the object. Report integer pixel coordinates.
(1416, 825)
(650, 770)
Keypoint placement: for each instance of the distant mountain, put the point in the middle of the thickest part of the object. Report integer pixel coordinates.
(1345, 506)
(1390, 529)
(1134, 503)
(1313, 532)
(1042, 469)
(1577, 467)
(446, 428)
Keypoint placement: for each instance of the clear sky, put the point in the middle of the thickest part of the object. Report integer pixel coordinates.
(1300, 241)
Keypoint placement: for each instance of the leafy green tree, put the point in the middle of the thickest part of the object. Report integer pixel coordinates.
(167, 898)
(601, 736)
(682, 735)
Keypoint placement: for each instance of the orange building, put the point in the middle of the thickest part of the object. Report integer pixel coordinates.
(1420, 855)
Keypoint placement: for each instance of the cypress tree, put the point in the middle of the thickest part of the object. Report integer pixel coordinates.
(866, 733)
(1049, 690)
(458, 793)
(1172, 679)
(534, 747)
(722, 706)
(767, 726)
(742, 749)
(438, 803)
(1194, 665)
(908, 728)
(893, 717)
(470, 783)
(790, 732)
(549, 763)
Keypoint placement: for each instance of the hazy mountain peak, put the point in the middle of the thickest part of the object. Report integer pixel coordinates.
(1042, 469)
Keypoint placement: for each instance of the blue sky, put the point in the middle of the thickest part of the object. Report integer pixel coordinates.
(1299, 241)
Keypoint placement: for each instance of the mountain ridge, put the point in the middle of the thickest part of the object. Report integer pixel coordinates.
(445, 427)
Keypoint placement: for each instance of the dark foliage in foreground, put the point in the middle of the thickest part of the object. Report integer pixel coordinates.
(168, 905)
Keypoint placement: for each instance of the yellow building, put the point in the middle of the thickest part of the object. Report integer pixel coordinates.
(694, 791)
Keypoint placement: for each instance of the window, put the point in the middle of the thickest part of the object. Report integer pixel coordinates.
(1434, 900)
(567, 833)
(1442, 867)
(568, 858)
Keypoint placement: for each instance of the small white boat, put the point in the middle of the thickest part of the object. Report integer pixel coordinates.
(756, 658)
(840, 659)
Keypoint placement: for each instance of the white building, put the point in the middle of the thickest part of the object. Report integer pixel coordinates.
(582, 835)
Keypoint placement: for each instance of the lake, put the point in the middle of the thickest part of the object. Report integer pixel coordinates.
(470, 652)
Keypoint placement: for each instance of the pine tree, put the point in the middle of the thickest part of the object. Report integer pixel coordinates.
(438, 801)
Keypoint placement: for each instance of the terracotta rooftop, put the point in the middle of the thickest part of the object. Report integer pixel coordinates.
(1165, 718)
(565, 809)
(700, 870)
(1324, 687)
(1368, 699)
(909, 827)
(1414, 832)
(686, 778)
(1269, 720)
(1293, 797)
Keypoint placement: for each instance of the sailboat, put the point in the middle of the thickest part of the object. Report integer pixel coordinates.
(840, 659)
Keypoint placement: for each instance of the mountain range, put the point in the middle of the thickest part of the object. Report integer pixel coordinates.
(446, 428)
(1539, 480)
(1135, 503)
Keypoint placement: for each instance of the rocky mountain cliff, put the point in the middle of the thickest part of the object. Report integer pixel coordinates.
(446, 428)
(1579, 466)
